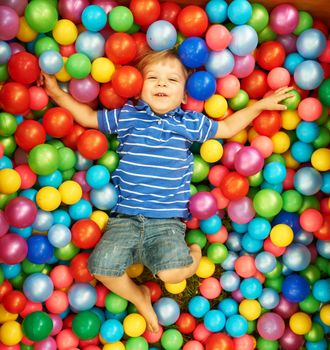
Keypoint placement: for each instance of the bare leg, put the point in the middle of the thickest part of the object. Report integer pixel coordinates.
(138, 295)
(178, 275)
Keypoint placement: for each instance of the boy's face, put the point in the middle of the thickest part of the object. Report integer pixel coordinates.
(164, 85)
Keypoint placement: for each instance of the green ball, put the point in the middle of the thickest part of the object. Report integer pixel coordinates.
(115, 304)
(68, 174)
(310, 304)
(312, 273)
(120, 19)
(37, 326)
(260, 17)
(217, 253)
(67, 158)
(292, 102)
(67, 252)
(43, 159)
(324, 92)
(2, 276)
(113, 142)
(8, 124)
(41, 16)
(196, 237)
(322, 264)
(45, 44)
(137, 343)
(110, 160)
(28, 267)
(193, 190)
(309, 202)
(256, 179)
(56, 143)
(275, 158)
(26, 347)
(292, 201)
(86, 325)
(275, 283)
(267, 203)
(4, 72)
(251, 327)
(8, 144)
(18, 281)
(6, 198)
(133, 29)
(201, 169)
(315, 334)
(265, 344)
(78, 65)
(171, 339)
(267, 34)
(323, 139)
(240, 100)
(305, 22)
(276, 272)
(203, 187)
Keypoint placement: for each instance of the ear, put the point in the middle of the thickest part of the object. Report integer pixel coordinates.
(185, 98)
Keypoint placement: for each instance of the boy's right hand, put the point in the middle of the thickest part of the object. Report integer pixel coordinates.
(49, 83)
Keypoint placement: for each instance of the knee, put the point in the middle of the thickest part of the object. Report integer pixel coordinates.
(171, 276)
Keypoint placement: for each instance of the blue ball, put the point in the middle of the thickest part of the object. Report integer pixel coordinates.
(5, 163)
(318, 345)
(59, 235)
(82, 163)
(244, 40)
(11, 271)
(307, 131)
(323, 248)
(309, 75)
(38, 287)
(214, 320)
(91, 44)
(307, 181)
(311, 43)
(236, 326)
(81, 210)
(201, 85)
(61, 217)
(303, 237)
(240, 228)
(250, 244)
(296, 257)
(216, 11)
(30, 193)
(161, 35)
(269, 298)
(321, 290)
(302, 151)
(43, 221)
(251, 288)
(220, 63)
(228, 306)
(40, 251)
(51, 62)
(259, 228)
(167, 311)
(234, 241)
(229, 262)
(239, 11)
(211, 225)
(198, 306)
(295, 288)
(105, 198)
(54, 179)
(25, 232)
(325, 187)
(274, 172)
(265, 262)
(229, 281)
(111, 331)
(97, 176)
(82, 296)
(5, 52)
(94, 18)
(292, 61)
(193, 52)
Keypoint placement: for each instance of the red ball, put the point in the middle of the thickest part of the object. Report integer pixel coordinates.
(14, 301)
(109, 98)
(58, 122)
(219, 341)
(120, 48)
(323, 233)
(79, 268)
(92, 144)
(127, 81)
(101, 294)
(216, 174)
(5, 288)
(145, 12)
(155, 290)
(169, 12)
(142, 46)
(29, 134)
(72, 138)
(23, 67)
(186, 323)
(14, 98)
(38, 98)
(28, 177)
(85, 234)
(270, 54)
(234, 186)
(255, 84)
(267, 123)
(192, 21)
(288, 182)
(311, 220)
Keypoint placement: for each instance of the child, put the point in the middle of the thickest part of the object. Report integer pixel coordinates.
(153, 176)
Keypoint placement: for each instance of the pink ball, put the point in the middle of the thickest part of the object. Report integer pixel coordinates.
(271, 326)
(193, 105)
(47, 344)
(284, 19)
(84, 90)
(241, 210)
(244, 342)
(237, 295)
(38, 98)
(9, 23)
(17, 5)
(201, 333)
(21, 212)
(288, 41)
(13, 248)
(230, 150)
(248, 161)
(80, 177)
(12, 347)
(193, 345)
(264, 145)
(244, 66)
(285, 308)
(4, 226)
(290, 340)
(210, 288)
(57, 324)
(66, 339)
(278, 77)
(202, 205)
(20, 157)
(107, 5)
(152, 337)
(310, 109)
(228, 86)
(72, 9)
(217, 37)
(311, 220)
(219, 237)
(16, 47)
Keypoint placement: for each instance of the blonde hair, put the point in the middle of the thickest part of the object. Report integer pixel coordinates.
(151, 57)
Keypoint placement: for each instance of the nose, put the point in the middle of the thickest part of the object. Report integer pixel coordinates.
(161, 82)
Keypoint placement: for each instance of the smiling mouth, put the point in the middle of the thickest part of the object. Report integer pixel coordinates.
(160, 94)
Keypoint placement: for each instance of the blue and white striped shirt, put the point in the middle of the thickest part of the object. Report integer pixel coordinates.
(155, 168)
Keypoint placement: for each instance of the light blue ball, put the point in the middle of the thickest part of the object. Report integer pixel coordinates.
(82, 296)
(296, 257)
(251, 288)
(43, 222)
(198, 306)
(228, 306)
(11, 271)
(311, 43)
(5, 52)
(59, 235)
(244, 40)
(234, 241)
(275, 187)
(318, 345)
(111, 330)
(91, 44)
(229, 263)
(239, 11)
(38, 287)
(303, 237)
(259, 228)
(120, 316)
(5, 163)
(308, 75)
(61, 217)
(216, 11)
(97, 176)
(105, 198)
(30, 193)
(211, 225)
(167, 311)
(302, 151)
(240, 228)
(325, 188)
(292, 61)
(54, 179)
(236, 326)
(250, 244)
(82, 163)
(161, 35)
(321, 290)
(307, 131)
(274, 172)
(81, 210)
(323, 248)
(307, 181)
(25, 232)
(265, 262)
(220, 63)
(50, 62)
(229, 281)
(269, 298)
(214, 320)
(94, 18)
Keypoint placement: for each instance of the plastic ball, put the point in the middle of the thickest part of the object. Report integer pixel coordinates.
(201, 85)
(41, 16)
(203, 205)
(94, 18)
(206, 268)
(228, 86)
(82, 296)
(284, 19)
(309, 75)
(161, 35)
(13, 248)
(48, 198)
(9, 23)
(14, 98)
(267, 203)
(214, 320)
(127, 81)
(265, 262)
(65, 32)
(20, 212)
(244, 65)
(229, 281)
(307, 181)
(85, 233)
(239, 12)
(269, 298)
(193, 52)
(111, 330)
(145, 12)
(59, 235)
(176, 288)
(236, 326)
(134, 325)
(311, 43)
(300, 323)
(244, 40)
(223, 56)
(90, 44)
(43, 159)
(320, 159)
(241, 210)
(23, 68)
(248, 161)
(10, 181)
(271, 326)
(250, 309)
(105, 198)
(192, 21)
(210, 288)
(42, 250)
(167, 311)
(295, 288)
(38, 287)
(217, 37)
(198, 306)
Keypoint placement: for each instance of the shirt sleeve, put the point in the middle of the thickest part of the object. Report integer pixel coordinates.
(198, 127)
(108, 120)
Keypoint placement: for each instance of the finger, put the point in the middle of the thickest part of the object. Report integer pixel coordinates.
(283, 89)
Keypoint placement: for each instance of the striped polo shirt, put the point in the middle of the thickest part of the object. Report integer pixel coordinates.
(155, 167)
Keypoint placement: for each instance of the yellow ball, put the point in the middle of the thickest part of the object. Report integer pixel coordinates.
(10, 181)
(11, 333)
(211, 151)
(290, 120)
(252, 134)
(65, 32)
(102, 69)
(216, 106)
(135, 270)
(206, 268)
(101, 219)
(176, 288)
(70, 191)
(240, 137)
(25, 32)
(48, 198)
(250, 309)
(281, 142)
(114, 346)
(62, 75)
(300, 323)
(321, 159)
(281, 235)
(325, 314)
(290, 162)
(6, 316)
(134, 325)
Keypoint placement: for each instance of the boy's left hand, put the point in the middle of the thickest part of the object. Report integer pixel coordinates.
(273, 101)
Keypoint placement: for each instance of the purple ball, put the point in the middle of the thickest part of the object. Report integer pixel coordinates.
(9, 23)
(47, 344)
(107, 5)
(203, 205)
(17, 5)
(4, 226)
(21, 212)
(248, 161)
(84, 90)
(284, 19)
(244, 66)
(229, 153)
(285, 308)
(288, 41)
(72, 9)
(80, 177)
(16, 47)
(241, 210)
(271, 326)
(290, 340)
(13, 248)
(57, 324)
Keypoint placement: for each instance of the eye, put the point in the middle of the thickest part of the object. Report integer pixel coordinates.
(173, 79)
(151, 77)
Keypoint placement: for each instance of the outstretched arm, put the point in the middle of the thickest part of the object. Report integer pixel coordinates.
(241, 119)
(82, 113)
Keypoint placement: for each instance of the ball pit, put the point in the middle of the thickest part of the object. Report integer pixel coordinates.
(260, 200)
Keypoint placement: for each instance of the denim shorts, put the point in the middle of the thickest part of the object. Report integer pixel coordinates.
(159, 244)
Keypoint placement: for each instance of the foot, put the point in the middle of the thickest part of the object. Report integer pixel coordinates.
(146, 310)
(196, 254)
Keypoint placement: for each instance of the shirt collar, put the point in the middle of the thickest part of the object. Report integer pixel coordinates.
(143, 106)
